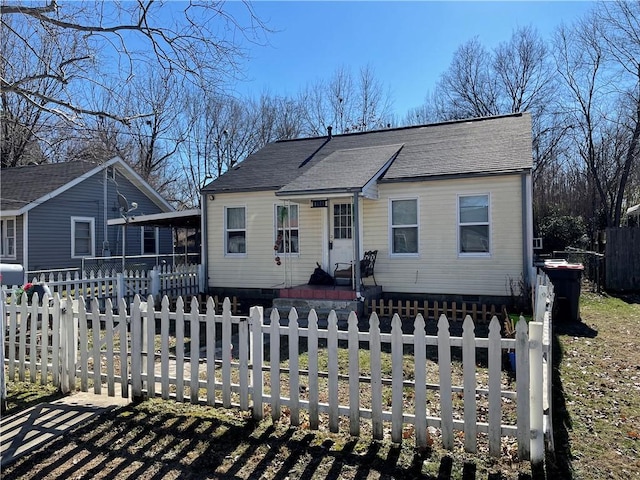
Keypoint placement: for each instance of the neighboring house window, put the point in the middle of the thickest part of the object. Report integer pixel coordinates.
(235, 230)
(8, 245)
(404, 226)
(149, 241)
(473, 221)
(342, 221)
(286, 231)
(82, 237)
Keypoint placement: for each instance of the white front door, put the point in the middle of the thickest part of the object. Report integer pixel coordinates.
(341, 224)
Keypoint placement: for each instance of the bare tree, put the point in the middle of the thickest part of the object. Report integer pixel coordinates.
(345, 104)
(220, 134)
(620, 29)
(373, 103)
(468, 88)
(54, 53)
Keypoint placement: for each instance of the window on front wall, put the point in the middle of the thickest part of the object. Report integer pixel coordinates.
(235, 230)
(473, 222)
(82, 237)
(286, 231)
(342, 221)
(8, 238)
(149, 241)
(404, 226)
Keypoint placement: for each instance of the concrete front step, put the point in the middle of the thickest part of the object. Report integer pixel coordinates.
(322, 307)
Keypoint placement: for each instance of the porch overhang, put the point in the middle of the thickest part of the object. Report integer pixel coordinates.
(344, 173)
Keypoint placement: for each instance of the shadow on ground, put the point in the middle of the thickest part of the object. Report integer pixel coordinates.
(138, 442)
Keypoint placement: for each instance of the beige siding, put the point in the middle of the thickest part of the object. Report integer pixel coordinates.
(258, 269)
(438, 269)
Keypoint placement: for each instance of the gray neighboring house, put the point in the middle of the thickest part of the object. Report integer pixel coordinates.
(54, 215)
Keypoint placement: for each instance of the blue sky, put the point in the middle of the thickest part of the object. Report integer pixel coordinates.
(408, 44)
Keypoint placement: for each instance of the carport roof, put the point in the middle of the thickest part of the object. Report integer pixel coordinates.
(179, 219)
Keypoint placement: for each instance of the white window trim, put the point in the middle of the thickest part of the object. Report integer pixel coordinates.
(3, 238)
(92, 228)
(489, 223)
(275, 229)
(226, 237)
(391, 227)
(156, 238)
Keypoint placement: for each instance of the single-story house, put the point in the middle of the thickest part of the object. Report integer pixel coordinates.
(54, 215)
(447, 207)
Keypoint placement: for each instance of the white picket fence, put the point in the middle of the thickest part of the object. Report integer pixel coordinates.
(173, 281)
(151, 353)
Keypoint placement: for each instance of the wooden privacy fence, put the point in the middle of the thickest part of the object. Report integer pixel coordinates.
(453, 385)
(622, 259)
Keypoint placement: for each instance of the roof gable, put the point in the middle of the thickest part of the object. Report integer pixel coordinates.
(22, 188)
(343, 170)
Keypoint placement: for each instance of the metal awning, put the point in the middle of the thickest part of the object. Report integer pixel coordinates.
(180, 219)
(634, 211)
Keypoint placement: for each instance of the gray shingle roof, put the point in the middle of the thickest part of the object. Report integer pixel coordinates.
(489, 145)
(19, 186)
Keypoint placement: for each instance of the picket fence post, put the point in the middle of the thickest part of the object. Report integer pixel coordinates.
(495, 417)
(376, 376)
(332, 354)
(154, 280)
(194, 351)
(444, 368)
(420, 358)
(294, 368)
(120, 286)
(257, 315)
(536, 392)
(522, 389)
(274, 361)
(397, 402)
(314, 393)
(210, 320)
(69, 345)
(136, 350)
(3, 385)
(124, 348)
(201, 278)
(354, 374)
(469, 385)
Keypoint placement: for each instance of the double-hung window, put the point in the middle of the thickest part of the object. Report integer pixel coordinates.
(149, 241)
(287, 231)
(8, 238)
(404, 226)
(82, 237)
(235, 226)
(473, 225)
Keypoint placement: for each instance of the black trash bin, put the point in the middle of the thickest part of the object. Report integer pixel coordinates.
(566, 278)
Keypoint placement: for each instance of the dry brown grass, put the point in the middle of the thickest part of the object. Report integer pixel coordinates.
(596, 413)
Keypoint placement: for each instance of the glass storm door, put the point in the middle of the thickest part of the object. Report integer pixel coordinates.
(341, 234)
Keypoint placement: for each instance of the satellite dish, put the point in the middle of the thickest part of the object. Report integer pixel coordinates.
(122, 201)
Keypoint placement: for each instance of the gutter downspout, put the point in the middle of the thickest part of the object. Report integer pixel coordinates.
(356, 245)
(527, 229)
(204, 245)
(25, 245)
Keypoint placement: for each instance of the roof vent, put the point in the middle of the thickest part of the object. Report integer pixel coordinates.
(329, 128)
